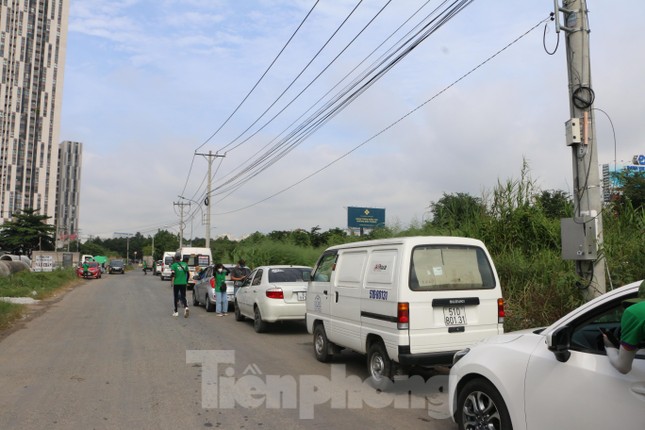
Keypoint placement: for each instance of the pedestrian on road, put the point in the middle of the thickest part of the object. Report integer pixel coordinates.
(179, 278)
(221, 298)
(632, 333)
(239, 274)
(145, 267)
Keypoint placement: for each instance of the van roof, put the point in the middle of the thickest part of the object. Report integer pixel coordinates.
(412, 241)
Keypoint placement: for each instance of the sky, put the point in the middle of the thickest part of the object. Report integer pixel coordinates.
(153, 86)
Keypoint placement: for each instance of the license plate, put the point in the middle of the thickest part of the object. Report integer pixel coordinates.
(454, 315)
(302, 296)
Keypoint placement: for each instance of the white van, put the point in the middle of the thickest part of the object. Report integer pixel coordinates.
(195, 257)
(166, 261)
(403, 302)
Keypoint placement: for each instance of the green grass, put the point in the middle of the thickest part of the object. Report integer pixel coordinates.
(37, 285)
(9, 312)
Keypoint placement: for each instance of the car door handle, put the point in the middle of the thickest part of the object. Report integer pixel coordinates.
(639, 389)
(325, 292)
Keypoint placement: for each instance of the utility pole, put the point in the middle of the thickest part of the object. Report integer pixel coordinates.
(127, 244)
(181, 220)
(210, 156)
(582, 236)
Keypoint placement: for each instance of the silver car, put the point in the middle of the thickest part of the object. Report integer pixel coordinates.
(204, 289)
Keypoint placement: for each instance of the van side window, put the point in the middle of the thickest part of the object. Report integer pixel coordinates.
(450, 267)
(322, 272)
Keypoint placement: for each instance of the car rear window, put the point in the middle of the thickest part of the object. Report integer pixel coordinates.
(288, 275)
(450, 267)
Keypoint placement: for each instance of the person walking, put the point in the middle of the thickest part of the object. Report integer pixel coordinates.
(221, 298)
(179, 277)
(239, 274)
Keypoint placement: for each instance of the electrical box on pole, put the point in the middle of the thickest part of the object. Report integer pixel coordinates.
(582, 235)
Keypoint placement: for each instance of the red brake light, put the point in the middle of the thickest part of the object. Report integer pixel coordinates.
(500, 311)
(275, 294)
(403, 316)
(212, 281)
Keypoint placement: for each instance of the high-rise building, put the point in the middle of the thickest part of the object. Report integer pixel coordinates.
(33, 36)
(70, 155)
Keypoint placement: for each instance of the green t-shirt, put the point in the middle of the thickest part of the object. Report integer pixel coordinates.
(180, 269)
(632, 326)
(220, 279)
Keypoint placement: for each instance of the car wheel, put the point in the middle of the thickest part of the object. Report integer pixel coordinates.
(479, 405)
(210, 306)
(379, 366)
(238, 314)
(259, 325)
(321, 344)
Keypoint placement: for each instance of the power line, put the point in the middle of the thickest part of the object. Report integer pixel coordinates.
(391, 125)
(260, 79)
(343, 99)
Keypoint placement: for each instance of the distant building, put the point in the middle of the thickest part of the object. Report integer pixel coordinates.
(610, 184)
(33, 37)
(70, 156)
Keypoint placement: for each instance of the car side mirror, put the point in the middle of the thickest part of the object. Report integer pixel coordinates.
(559, 342)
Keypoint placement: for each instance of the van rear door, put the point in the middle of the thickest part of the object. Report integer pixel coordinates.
(453, 291)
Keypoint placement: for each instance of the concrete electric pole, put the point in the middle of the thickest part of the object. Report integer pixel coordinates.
(582, 236)
(210, 156)
(181, 221)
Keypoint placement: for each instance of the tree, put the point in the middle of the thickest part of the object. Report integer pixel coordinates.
(632, 189)
(555, 204)
(454, 210)
(26, 232)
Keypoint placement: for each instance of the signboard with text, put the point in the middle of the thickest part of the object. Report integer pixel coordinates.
(365, 217)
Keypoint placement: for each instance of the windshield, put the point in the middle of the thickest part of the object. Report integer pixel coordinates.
(116, 263)
(290, 274)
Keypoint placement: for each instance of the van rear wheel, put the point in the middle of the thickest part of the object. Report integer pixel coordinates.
(379, 366)
(321, 344)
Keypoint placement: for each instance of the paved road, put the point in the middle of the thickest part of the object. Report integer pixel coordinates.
(109, 355)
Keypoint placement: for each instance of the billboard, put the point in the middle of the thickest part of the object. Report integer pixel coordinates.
(365, 217)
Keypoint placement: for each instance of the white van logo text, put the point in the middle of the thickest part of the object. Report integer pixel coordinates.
(378, 267)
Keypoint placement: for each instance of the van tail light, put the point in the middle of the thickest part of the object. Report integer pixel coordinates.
(275, 294)
(403, 316)
(500, 311)
(212, 283)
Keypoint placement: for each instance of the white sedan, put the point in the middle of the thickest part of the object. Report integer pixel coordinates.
(273, 293)
(558, 377)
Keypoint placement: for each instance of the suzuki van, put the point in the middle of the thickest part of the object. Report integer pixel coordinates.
(403, 302)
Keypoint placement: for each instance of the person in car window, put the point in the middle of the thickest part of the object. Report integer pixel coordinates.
(239, 274)
(221, 298)
(179, 278)
(632, 333)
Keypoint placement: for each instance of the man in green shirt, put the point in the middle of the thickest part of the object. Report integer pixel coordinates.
(632, 333)
(179, 279)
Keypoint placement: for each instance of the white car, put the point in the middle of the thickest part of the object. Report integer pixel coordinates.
(273, 293)
(558, 377)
